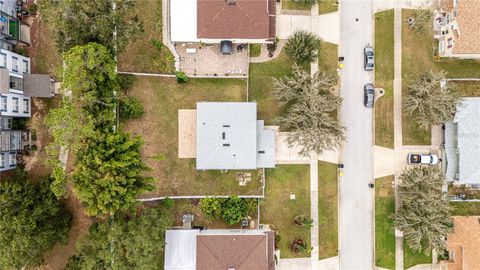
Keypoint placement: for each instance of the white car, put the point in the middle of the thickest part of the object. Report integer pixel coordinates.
(430, 159)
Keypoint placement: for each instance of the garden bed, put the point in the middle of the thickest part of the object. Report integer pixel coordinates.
(279, 210)
(161, 99)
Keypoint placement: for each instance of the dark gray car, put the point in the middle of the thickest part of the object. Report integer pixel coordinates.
(369, 58)
(368, 95)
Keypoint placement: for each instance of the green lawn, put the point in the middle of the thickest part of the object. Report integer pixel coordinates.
(384, 231)
(327, 6)
(261, 85)
(162, 98)
(292, 5)
(384, 74)
(327, 210)
(280, 211)
(411, 258)
(146, 53)
(465, 208)
(417, 58)
(255, 50)
(328, 56)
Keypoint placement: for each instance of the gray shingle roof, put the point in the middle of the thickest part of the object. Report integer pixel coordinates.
(467, 121)
(228, 137)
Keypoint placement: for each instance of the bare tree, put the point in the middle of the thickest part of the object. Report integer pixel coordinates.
(424, 216)
(310, 111)
(429, 102)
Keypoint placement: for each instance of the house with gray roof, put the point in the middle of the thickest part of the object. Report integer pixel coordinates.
(229, 137)
(462, 144)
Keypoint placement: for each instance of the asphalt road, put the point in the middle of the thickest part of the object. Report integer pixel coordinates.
(356, 198)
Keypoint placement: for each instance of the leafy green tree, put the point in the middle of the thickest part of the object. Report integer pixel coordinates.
(311, 110)
(109, 173)
(31, 222)
(90, 76)
(234, 209)
(80, 22)
(430, 103)
(424, 216)
(130, 108)
(302, 47)
(124, 243)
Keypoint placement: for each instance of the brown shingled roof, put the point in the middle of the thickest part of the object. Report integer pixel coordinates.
(465, 242)
(468, 20)
(239, 252)
(243, 19)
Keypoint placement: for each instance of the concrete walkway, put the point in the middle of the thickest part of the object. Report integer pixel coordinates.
(397, 114)
(326, 26)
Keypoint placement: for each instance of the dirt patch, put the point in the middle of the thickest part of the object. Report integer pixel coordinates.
(57, 258)
(43, 52)
(383, 193)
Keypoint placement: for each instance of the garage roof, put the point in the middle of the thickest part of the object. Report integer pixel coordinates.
(183, 21)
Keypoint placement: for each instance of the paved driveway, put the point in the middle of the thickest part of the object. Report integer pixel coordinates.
(356, 198)
(326, 26)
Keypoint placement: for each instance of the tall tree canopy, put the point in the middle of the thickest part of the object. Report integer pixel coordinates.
(31, 222)
(429, 102)
(80, 22)
(90, 76)
(123, 243)
(302, 47)
(108, 173)
(310, 110)
(424, 216)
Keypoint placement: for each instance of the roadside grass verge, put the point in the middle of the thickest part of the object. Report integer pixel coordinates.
(384, 228)
(161, 99)
(328, 57)
(327, 210)
(384, 75)
(417, 58)
(327, 6)
(146, 53)
(280, 211)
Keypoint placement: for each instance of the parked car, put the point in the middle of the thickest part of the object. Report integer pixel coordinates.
(226, 47)
(430, 159)
(368, 95)
(369, 55)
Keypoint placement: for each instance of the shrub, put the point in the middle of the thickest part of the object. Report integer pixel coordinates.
(234, 209)
(125, 81)
(302, 47)
(168, 203)
(130, 108)
(181, 77)
(211, 207)
(157, 44)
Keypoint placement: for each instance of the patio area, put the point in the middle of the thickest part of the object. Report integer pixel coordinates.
(198, 59)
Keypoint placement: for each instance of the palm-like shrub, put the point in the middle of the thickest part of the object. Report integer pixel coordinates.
(302, 47)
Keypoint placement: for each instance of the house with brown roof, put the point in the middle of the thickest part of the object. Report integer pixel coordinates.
(219, 250)
(456, 27)
(463, 244)
(212, 21)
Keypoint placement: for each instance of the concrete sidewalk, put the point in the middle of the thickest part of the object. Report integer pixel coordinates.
(314, 212)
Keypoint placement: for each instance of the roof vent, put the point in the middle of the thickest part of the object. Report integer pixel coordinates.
(226, 144)
(231, 2)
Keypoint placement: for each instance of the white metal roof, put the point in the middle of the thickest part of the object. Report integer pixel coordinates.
(183, 21)
(181, 249)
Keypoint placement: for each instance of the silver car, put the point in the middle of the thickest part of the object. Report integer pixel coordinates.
(369, 55)
(368, 95)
